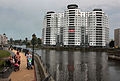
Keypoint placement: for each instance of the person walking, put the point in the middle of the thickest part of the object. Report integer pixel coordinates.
(9, 62)
(18, 58)
(28, 56)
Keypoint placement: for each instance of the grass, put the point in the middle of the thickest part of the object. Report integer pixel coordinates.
(4, 54)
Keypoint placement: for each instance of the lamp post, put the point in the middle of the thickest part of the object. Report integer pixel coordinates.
(33, 43)
(26, 41)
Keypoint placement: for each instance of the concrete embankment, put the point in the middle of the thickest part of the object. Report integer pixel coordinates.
(113, 57)
(41, 72)
(114, 54)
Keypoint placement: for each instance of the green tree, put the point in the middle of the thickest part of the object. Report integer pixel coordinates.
(26, 41)
(111, 44)
(39, 42)
(20, 42)
(27, 44)
(34, 39)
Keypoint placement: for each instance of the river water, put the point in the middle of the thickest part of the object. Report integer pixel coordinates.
(80, 66)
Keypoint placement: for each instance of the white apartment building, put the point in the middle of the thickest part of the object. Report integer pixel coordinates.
(3, 40)
(60, 26)
(53, 27)
(117, 37)
(49, 30)
(76, 28)
(98, 28)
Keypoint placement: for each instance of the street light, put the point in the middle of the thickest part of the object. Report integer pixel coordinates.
(33, 43)
(26, 41)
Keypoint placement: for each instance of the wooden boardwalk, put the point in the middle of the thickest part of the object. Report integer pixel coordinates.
(23, 74)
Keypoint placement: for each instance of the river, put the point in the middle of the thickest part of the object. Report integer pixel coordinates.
(80, 66)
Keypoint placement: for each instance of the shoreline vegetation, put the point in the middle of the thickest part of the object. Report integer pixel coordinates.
(97, 49)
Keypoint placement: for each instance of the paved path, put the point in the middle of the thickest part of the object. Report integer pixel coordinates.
(23, 74)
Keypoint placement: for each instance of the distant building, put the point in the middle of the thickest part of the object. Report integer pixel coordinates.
(53, 26)
(60, 26)
(98, 28)
(76, 28)
(3, 40)
(117, 37)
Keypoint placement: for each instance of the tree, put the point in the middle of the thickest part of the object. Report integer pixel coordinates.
(23, 42)
(20, 42)
(39, 41)
(34, 39)
(111, 44)
(28, 44)
(26, 40)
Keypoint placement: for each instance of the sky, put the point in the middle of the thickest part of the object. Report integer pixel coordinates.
(21, 18)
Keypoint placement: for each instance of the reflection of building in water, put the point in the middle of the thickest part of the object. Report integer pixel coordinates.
(101, 70)
(81, 73)
(52, 62)
(61, 69)
(91, 66)
(76, 66)
(70, 66)
(45, 58)
(81, 67)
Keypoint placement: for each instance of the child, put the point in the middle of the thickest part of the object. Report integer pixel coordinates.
(16, 66)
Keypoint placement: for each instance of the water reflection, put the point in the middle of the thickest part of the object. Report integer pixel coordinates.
(76, 66)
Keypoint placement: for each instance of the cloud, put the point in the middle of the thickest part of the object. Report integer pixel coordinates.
(22, 18)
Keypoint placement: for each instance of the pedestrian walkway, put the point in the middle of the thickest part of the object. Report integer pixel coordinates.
(23, 74)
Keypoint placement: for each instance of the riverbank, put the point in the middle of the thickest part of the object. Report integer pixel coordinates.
(96, 49)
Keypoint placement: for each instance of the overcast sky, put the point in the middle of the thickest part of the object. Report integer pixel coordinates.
(22, 18)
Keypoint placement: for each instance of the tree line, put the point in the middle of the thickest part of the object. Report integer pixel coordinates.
(26, 42)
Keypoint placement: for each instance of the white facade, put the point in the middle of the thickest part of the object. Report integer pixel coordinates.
(117, 37)
(98, 28)
(60, 26)
(76, 23)
(3, 40)
(72, 29)
(53, 23)
(76, 28)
